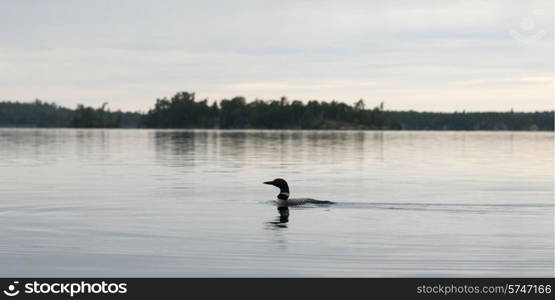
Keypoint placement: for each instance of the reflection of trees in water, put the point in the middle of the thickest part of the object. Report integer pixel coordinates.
(238, 149)
(175, 148)
(92, 144)
(233, 148)
(335, 147)
(291, 147)
(177, 142)
(378, 138)
(198, 147)
(43, 146)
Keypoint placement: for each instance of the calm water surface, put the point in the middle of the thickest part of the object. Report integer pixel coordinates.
(192, 203)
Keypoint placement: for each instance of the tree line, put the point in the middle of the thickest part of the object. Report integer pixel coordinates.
(183, 110)
(44, 115)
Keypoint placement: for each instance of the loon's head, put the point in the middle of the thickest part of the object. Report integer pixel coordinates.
(283, 187)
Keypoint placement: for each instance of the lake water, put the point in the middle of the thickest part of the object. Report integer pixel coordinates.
(192, 203)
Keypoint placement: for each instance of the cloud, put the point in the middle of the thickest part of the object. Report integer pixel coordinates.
(409, 54)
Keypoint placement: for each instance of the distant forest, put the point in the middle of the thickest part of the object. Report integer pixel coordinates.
(184, 111)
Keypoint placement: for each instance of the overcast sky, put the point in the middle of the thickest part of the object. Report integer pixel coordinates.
(422, 55)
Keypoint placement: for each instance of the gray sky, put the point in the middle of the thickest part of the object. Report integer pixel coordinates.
(422, 55)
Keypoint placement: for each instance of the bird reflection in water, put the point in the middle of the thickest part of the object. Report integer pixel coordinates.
(283, 218)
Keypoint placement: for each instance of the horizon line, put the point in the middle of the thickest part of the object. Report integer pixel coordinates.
(509, 110)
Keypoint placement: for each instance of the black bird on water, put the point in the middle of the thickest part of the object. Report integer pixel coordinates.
(283, 199)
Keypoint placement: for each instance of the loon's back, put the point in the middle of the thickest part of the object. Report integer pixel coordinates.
(300, 201)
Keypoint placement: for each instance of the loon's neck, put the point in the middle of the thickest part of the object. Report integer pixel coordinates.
(283, 195)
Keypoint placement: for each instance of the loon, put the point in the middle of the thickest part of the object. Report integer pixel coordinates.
(283, 196)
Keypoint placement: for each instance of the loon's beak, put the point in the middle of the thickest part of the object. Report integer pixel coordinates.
(269, 182)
